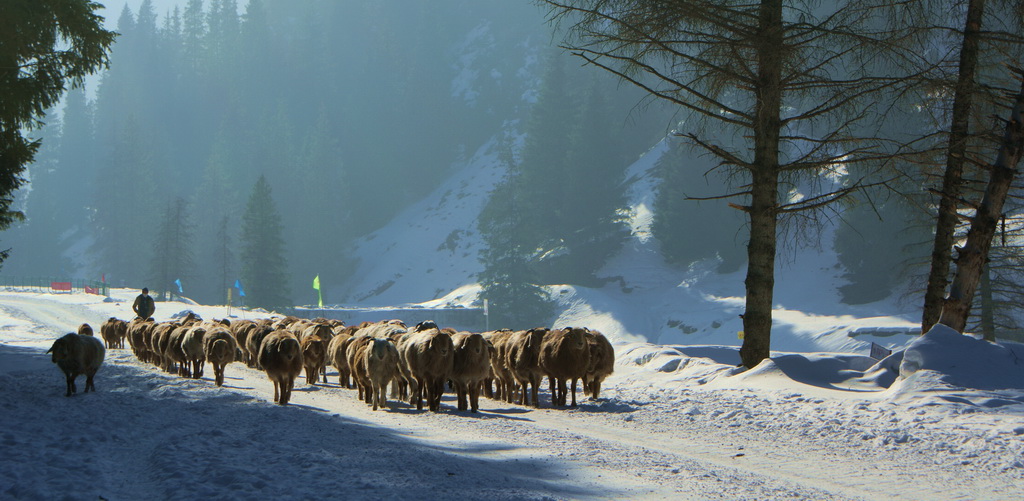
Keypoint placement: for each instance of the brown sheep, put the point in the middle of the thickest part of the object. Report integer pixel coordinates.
(144, 335)
(281, 357)
(471, 366)
(602, 363)
(336, 354)
(564, 356)
(85, 330)
(159, 341)
(113, 332)
(314, 356)
(522, 358)
(323, 330)
(400, 384)
(192, 347)
(135, 334)
(174, 354)
(77, 354)
(503, 378)
(282, 323)
(354, 353)
(219, 348)
(429, 356)
(380, 360)
(255, 340)
(240, 330)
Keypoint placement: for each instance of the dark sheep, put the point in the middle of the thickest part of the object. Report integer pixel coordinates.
(314, 357)
(564, 356)
(281, 357)
(336, 354)
(113, 332)
(219, 348)
(471, 366)
(77, 354)
(240, 330)
(429, 356)
(323, 330)
(354, 354)
(602, 363)
(255, 340)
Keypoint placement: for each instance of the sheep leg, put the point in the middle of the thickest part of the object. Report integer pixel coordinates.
(460, 390)
(561, 392)
(70, 379)
(536, 392)
(573, 393)
(438, 391)
(474, 396)
(417, 394)
(286, 393)
(89, 384)
(277, 397)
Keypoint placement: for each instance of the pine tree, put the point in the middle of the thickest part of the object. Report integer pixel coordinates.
(320, 217)
(172, 250)
(123, 236)
(46, 46)
(509, 283)
(264, 268)
(224, 257)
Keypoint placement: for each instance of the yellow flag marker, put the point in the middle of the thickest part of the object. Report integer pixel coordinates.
(316, 286)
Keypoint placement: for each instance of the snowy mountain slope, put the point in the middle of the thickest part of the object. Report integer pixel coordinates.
(431, 248)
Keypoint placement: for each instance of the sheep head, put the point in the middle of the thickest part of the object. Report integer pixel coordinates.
(61, 350)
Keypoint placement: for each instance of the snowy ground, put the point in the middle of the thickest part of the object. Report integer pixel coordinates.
(675, 421)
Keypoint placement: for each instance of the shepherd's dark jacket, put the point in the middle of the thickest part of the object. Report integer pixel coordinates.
(144, 306)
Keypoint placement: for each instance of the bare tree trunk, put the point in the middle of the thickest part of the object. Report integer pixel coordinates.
(972, 257)
(938, 276)
(988, 322)
(760, 281)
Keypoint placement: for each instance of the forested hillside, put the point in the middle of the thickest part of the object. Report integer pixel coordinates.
(351, 111)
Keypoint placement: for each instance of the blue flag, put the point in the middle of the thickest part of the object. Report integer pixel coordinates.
(177, 282)
(238, 285)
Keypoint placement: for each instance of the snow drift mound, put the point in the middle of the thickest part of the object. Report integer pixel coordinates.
(965, 360)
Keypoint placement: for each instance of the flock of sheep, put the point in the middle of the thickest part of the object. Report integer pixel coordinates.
(416, 362)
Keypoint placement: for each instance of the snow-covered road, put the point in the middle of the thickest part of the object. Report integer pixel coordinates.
(147, 434)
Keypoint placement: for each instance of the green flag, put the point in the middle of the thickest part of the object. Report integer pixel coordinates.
(316, 286)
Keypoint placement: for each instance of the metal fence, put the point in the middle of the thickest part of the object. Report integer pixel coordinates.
(54, 284)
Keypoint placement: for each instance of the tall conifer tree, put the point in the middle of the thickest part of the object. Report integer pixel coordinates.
(264, 268)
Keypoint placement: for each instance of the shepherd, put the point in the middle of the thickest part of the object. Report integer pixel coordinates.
(144, 306)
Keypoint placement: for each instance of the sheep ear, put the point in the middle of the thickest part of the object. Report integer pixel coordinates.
(50, 350)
